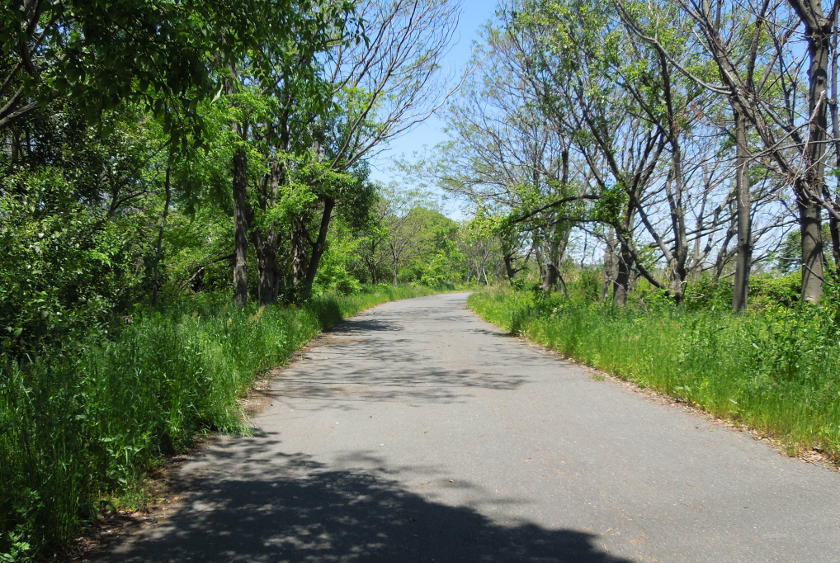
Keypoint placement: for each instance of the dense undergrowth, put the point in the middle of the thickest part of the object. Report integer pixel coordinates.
(84, 423)
(775, 369)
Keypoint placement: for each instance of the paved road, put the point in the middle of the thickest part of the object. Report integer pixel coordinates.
(417, 432)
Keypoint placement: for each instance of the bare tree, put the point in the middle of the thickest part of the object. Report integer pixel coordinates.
(509, 160)
(385, 84)
(799, 157)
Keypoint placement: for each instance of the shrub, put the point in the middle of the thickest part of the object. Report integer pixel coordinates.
(770, 290)
(707, 293)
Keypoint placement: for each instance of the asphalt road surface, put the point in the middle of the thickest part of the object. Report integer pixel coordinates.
(417, 432)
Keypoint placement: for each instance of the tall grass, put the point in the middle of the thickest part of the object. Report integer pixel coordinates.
(85, 422)
(776, 370)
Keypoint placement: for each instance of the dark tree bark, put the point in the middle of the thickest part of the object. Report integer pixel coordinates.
(743, 257)
(818, 28)
(156, 277)
(317, 249)
(810, 229)
(242, 213)
(610, 264)
(626, 257)
(300, 242)
(267, 240)
(675, 190)
(510, 271)
(558, 235)
(270, 282)
(241, 219)
(833, 222)
(624, 275)
(810, 171)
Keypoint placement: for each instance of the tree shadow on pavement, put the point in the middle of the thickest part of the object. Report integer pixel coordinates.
(367, 360)
(344, 383)
(300, 510)
(364, 324)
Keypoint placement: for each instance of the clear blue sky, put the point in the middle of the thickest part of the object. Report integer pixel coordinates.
(474, 14)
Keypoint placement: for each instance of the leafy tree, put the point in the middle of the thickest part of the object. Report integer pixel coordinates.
(78, 209)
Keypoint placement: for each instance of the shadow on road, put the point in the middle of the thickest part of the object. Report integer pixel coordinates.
(377, 360)
(290, 508)
(362, 325)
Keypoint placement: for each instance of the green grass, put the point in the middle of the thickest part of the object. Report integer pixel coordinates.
(775, 370)
(86, 422)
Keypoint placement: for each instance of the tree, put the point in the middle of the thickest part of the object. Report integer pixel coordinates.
(432, 257)
(102, 54)
(281, 86)
(380, 88)
(479, 249)
(621, 149)
(78, 208)
(508, 160)
(401, 227)
(802, 163)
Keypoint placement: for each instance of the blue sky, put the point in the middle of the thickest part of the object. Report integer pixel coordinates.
(474, 13)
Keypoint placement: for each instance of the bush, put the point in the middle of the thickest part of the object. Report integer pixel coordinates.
(707, 293)
(589, 285)
(769, 290)
(64, 266)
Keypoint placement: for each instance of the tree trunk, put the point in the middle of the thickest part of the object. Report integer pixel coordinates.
(743, 258)
(156, 277)
(834, 230)
(269, 286)
(678, 281)
(833, 223)
(679, 254)
(267, 240)
(818, 33)
(554, 252)
(621, 286)
(241, 216)
(610, 265)
(300, 241)
(508, 258)
(510, 271)
(241, 208)
(395, 264)
(624, 273)
(317, 249)
(551, 275)
(812, 250)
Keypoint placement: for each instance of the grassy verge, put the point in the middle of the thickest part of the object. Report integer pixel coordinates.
(776, 370)
(86, 422)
